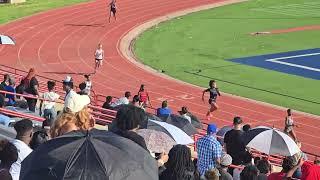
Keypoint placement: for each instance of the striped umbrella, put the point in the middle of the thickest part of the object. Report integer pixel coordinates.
(274, 142)
(6, 40)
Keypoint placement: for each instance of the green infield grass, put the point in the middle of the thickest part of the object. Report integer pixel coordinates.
(11, 12)
(206, 40)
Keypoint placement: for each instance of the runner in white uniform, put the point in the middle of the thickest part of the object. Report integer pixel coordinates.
(99, 55)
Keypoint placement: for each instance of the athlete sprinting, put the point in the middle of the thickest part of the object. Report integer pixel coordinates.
(214, 93)
(113, 9)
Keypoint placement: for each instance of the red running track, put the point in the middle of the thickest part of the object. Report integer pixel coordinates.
(64, 40)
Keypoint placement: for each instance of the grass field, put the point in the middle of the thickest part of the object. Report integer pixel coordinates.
(207, 39)
(11, 12)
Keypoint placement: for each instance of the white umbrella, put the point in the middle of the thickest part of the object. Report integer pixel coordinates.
(177, 134)
(6, 40)
(274, 142)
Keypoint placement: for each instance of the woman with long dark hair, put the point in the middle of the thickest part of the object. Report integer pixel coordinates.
(214, 93)
(8, 155)
(179, 165)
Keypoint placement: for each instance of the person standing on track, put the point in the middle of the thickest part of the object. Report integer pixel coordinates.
(99, 55)
(214, 92)
(289, 124)
(144, 96)
(113, 10)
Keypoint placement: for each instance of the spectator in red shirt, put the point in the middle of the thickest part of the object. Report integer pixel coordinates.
(287, 165)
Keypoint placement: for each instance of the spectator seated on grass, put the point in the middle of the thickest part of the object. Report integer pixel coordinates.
(179, 165)
(184, 113)
(209, 150)
(24, 129)
(123, 100)
(8, 155)
(164, 111)
(4, 119)
(107, 104)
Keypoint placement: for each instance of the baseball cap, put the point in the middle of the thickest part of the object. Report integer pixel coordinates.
(212, 128)
(225, 160)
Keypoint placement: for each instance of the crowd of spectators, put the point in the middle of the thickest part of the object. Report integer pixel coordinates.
(213, 159)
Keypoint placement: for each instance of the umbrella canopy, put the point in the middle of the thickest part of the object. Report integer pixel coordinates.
(274, 142)
(6, 40)
(177, 134)
(157, 141)
(181, 123)
(195, 121)
(248, 136)
(89, 155)
(223, 132)
(154, 117)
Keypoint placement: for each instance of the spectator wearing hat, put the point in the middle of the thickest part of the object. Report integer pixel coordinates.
(209, 150)
(225, 162)
(184, 113)
(68, 88)
(24, 129)
(233, 142)
(123, 100)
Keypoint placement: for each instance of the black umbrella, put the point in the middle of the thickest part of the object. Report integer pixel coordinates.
(181, 123)
(89, 155)
(195, 121)
(248, 136)
(154, 117)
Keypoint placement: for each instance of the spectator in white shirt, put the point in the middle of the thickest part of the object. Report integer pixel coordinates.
(88, 84)
(24, 130)
(184, 113)
(72, 98)
(49, 111)
(122, 100)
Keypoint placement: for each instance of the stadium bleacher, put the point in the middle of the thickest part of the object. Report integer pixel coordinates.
(102, 116)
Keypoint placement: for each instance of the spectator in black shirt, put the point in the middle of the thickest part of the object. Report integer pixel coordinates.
(31, 85)
(107, 104)
(233, 142)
